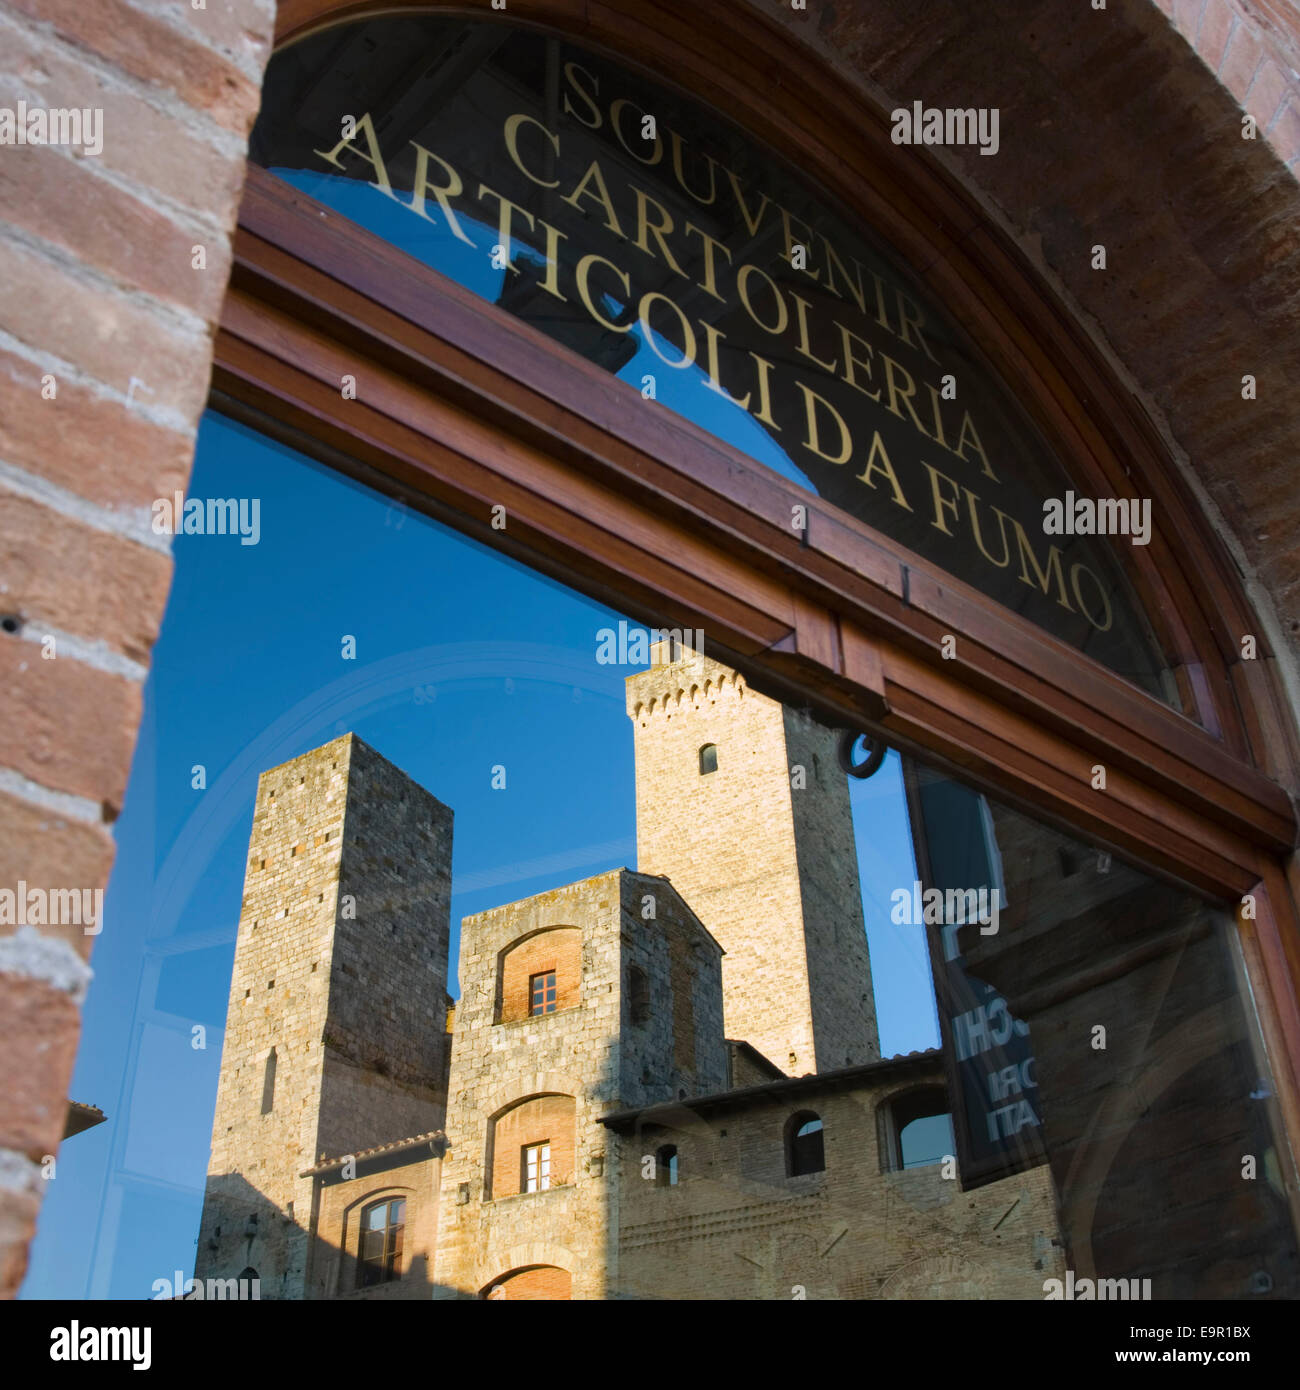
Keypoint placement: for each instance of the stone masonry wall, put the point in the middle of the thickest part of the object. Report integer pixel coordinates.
(736, 1227)
(591, 1053)
(385, 1039)
(835, 931)
(279, 997)
(105, 355)
(352, 1005)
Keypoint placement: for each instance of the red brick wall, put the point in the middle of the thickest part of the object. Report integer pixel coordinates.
(1253, 47)
(543, 1119)
(560, 950)
(100, 302)
(540, 1282)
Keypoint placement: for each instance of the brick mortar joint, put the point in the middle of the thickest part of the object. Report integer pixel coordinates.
(162, 418)
(20, 1174)
(173, 316)
(27, 954)
(86, 651)
(194, 221)
(80, 809)
(164, 100)
(131, 525)
(263, 10)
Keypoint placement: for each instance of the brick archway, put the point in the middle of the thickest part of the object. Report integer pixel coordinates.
(1200, 290)
(532, 1284)
(1194, 274)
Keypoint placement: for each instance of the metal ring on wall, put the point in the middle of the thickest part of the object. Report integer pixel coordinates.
(878, 748)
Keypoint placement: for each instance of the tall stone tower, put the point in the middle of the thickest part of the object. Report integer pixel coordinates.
(742, 805)
(336, 1027)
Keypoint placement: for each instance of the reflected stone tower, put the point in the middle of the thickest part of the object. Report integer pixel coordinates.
(336, 1027)
(741, 803)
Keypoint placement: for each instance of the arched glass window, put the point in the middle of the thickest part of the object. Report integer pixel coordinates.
(379, 1256)
(805, 1149)
(793, 334)
(708, 758)
(803, 345)
(666, 1166)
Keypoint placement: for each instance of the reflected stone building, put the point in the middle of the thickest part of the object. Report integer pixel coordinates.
(656, 1084)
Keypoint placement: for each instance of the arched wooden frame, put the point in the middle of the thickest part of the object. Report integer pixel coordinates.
(462, 407)
(348, 1258)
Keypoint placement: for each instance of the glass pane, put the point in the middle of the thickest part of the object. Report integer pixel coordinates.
(701, 271)
(926, 1141)
(846, 991)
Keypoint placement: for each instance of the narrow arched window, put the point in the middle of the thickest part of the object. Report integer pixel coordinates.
(708, 758)
(805, 1149)
(666, 1166)
(379, 1254)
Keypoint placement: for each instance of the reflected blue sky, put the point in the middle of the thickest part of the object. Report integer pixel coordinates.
(465, 660)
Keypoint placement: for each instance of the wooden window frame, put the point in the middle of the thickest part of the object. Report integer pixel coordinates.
(538, 1147)
(542, 975)
(390, 1264)
(461, 407)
